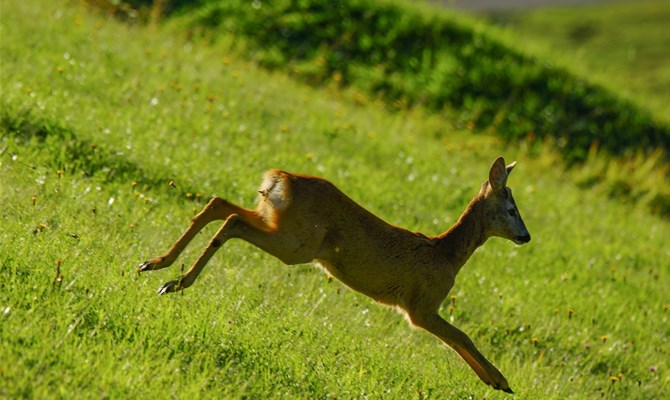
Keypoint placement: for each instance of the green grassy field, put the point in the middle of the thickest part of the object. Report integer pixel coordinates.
(622, 45)
(98, 117)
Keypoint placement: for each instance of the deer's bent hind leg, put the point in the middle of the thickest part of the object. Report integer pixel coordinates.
(216, 209)
(221, 236)
(288, 248)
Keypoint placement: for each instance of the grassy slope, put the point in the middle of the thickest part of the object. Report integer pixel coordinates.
(401, 55)
(410, 55)
(620, 45)
(251, 326)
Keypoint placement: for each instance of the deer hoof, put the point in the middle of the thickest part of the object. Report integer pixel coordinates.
(504, 388)
(145, 266)
(170, 287)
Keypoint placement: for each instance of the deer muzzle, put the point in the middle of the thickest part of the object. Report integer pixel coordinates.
(522, 239)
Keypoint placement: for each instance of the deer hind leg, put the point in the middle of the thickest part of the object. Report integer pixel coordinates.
(288, 248)
(460, 342)
(216, 209)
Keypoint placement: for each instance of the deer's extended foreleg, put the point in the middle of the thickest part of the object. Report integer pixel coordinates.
(459, 341)
(216, 209)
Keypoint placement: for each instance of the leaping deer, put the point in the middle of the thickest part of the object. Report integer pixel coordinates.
(300, 219)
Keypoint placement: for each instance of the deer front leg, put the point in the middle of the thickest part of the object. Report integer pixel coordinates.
(460, 342)
(216, 209)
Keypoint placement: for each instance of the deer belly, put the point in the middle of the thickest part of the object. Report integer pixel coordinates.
(381, 288)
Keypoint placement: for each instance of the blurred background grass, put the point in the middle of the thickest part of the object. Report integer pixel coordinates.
(621, 44)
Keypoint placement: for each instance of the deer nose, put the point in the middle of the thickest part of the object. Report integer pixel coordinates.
(523, 239)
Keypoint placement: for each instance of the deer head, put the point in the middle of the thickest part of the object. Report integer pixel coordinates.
(501, 211)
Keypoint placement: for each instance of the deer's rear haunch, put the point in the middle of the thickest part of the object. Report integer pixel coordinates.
(300, 219)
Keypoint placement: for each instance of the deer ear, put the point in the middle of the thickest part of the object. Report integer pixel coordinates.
(498, 174)
(510, 167)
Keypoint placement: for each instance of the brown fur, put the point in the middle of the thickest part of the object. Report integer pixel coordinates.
(300, 219)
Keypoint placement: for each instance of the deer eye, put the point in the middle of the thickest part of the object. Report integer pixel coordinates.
(512, 212)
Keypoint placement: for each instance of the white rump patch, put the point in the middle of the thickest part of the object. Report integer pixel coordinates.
(274, 190)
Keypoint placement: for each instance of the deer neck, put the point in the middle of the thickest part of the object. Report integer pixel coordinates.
(467, 234)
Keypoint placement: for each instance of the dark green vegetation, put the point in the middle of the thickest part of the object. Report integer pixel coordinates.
(410, 56)
(97, 117)
(622, 45)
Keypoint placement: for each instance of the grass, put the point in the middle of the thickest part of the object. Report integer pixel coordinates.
(622, 45)
(410, 55)
(490, 83)
(98, 117)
